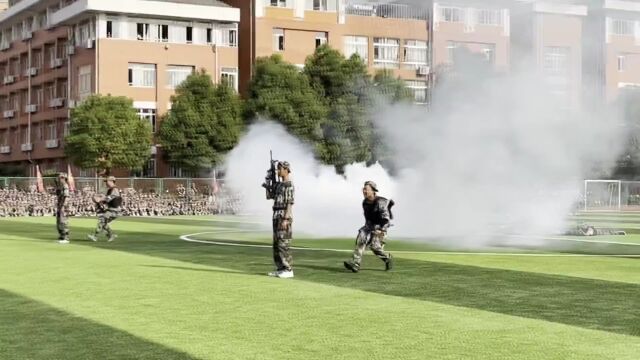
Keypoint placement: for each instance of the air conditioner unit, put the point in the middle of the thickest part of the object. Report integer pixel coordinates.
(90, 44)
(71, 104)
(52, 144)
(71, 50)
(9, 79)
(57, 102)
(27, 35)
(31, 108)
(154, 150)
(32, 71)
(5, 149)
(56, 63)
(423, 70)
(5, 46)
(26, 147)
(8, 114)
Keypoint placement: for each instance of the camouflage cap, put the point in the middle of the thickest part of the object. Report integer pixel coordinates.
(110, 178)
(285, 165)
(371, 184)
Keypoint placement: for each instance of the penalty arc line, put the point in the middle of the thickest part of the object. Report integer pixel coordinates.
(189, 238)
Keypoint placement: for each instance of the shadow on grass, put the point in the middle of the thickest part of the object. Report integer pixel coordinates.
(588, 303)
(33, 330)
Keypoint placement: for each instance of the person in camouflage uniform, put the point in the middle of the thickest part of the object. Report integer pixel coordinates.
(372, 234)
(588, 230)
(283, 199)
(62, 223)
(108, 209)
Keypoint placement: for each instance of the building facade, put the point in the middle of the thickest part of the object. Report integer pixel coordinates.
(55, 53)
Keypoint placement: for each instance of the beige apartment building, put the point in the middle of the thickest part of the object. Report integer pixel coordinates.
(55, 53)
(386, 36)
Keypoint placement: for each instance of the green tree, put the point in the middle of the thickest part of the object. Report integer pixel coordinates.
(204, 123)
(107, 133)
(279, 92)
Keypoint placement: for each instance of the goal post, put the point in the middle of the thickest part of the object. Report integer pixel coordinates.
(602, 195)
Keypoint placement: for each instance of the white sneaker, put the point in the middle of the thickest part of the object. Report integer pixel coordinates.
(92, 237)
(63, 241)
(285, 274)
(273, 274)
(113, 237)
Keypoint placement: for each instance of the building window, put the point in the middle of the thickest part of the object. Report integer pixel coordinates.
(109, 28)
(233, 37)
(148, 115)
(150, 169)
(189, 34)
(451, 51)
(415, 54)
(386, 52)
(357, 45)
(142, 30)
(621, 59)
(177, 74)
(163, 33)
(209, 36)
(489, 17)
(279, 3)
(320, 5)
(278, 39)
(556, 59)
(489, 52)
(229, 76)
(67, 125)
(419, 89)
(142, 75)
(84, 82)
(321, 39)
(52, 133)
(39, 96)
(622, 27)
(451, 14)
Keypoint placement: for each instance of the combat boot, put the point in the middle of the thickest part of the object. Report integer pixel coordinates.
(388, 264)
(351, 266)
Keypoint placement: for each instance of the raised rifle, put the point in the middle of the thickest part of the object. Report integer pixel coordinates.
(271, 178)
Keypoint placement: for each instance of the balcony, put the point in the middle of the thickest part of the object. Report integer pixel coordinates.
(5, 149)
(9, 79)
(7, 114)
(26, 147)
(32, 71)
(393, 11)
(29, 109)
(57, 102)
(52, 144)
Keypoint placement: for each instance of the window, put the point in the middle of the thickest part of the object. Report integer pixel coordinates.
(84, 82)
(209, 36)
(109, 28)
(229, 76)
(320, 5)
(150, 168)
(189, 34)
(489, 52)
(142, 31)
(67, 125)
(357, 45)
(451, 50)
(278, 39)
(489, 17)
(419, 89)
(451, 14)
(176, 172)
(279, 3)
(142, 75)
(39, 96)
(621, 59)
(622, 27)
(52, 133)
(415, 53)
(233, 37)
(321, 39)
(556, 59)
(148, 115)
(163, 33)
(386, 52)
(177, 74)
(85, 173)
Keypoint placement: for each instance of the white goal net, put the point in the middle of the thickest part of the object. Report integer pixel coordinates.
(611, 195)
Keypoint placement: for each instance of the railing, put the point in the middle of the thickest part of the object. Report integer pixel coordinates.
(394, 11)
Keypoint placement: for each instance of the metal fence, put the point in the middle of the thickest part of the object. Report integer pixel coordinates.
(176, 186)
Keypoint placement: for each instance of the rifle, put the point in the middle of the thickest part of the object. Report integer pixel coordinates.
(271, 178)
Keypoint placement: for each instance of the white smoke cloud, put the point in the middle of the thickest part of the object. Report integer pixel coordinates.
(494, 154)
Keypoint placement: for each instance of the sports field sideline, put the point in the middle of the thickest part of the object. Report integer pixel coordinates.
(155, 293)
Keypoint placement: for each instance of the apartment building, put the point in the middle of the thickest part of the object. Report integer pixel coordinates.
(386, 36)
(55, 53)
(4, 4)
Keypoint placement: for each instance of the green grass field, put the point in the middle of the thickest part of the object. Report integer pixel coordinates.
(151, 295)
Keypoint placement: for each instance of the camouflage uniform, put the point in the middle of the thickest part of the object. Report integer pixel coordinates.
(283, 195)
(108, 210)
(372, 234)
(588, 230)
(62, 224)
